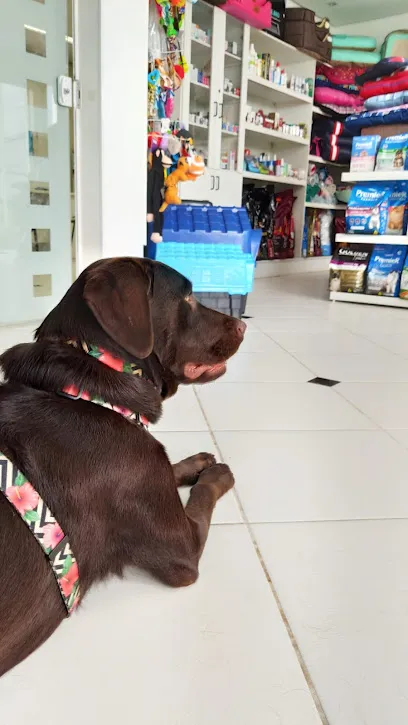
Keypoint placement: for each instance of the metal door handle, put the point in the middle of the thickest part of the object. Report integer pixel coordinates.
(216, 109)
(221, 111)
(217, 188)
(212, 183)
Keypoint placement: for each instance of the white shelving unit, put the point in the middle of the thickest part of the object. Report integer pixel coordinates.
(352, 178)
(373, 239)
(368, 299)
(317, 160)
(283, 137)
(221, 186)
(391, 239)
(320, 205)
(268, 179)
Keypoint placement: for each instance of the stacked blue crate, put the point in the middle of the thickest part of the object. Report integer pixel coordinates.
(215, 247)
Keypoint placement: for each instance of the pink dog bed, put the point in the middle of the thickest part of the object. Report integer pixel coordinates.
(329, 96)
(254, 12)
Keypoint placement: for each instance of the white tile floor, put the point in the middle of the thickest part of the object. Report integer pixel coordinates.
(300, 616)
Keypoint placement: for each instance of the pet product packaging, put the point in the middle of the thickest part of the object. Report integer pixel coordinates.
(404, 281)
(384, 270)
(393, 153)
(364, 153)
(348, 268)
(378, 208)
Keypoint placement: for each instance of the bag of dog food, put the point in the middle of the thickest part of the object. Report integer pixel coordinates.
(404, 281)
(378, 208)
(348, 268)
(384, 270)
(393, 154)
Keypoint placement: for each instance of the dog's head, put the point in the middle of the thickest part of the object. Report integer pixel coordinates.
(145, 309)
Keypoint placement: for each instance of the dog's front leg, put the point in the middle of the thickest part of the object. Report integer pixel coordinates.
(187, 472)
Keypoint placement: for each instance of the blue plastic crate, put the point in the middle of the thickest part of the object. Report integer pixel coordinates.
(215, 247)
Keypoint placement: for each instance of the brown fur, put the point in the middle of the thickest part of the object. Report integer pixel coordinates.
(108, 482)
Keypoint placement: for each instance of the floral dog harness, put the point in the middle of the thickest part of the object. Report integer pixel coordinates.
(45, 528)
(32, 509)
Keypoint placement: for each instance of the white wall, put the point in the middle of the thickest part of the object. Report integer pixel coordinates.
(377, 28)
(124, 52)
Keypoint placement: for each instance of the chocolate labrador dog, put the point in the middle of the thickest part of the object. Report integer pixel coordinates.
(72, 423)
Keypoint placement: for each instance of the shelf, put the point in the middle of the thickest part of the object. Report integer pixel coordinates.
(267, 178)
(320, 205)
(200, 85)
(368, 299)
(201, 42)
(232, 95)
(318, 112)
(375, 176)
(198, 125)
(285, 53)
(228, 133)
(252, 128)
(237, 58)
(319, 160)
(373, 239)
(291, 96)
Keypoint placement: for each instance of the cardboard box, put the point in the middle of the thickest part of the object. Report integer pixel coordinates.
(393, 129)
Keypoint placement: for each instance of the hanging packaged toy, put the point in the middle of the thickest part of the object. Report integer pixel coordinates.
(171, 14)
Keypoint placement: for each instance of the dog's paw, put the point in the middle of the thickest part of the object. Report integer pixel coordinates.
(188, 471)
(219, 476)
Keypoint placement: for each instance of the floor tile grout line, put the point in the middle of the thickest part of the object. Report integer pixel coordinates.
(301, 522)
(292, 638)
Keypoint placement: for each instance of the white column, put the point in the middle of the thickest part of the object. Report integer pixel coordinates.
(88, 133)
(124, 52)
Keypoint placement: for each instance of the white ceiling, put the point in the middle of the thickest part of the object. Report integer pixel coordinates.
(344, 12)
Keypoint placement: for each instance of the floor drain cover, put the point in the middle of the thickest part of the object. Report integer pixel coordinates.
(326, 382)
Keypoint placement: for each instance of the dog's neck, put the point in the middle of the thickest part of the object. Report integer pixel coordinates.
(52, 365)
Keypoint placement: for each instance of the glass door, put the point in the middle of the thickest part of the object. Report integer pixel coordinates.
(36, 159)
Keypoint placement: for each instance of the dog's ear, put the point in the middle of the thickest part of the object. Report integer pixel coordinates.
(118, 292)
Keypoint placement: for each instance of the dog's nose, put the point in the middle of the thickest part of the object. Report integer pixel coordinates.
(241, 327)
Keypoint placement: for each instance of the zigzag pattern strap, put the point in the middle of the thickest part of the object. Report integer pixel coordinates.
(45, 529)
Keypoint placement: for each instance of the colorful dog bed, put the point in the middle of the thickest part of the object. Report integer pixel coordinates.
(362, 57)
(340, 74)
(393, 84)
(355, 122)
(332, 97)
(388, 100)
(383, 69)
(354, 42)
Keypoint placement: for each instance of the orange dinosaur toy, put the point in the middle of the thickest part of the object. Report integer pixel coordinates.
(188, 169)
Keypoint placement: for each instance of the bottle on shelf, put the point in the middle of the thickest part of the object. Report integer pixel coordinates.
(253, 60)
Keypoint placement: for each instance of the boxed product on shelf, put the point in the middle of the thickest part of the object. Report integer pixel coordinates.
(384, 270)
(348, 268)
(404, 280)
(393, 153)
(378, 208)
(364, 153)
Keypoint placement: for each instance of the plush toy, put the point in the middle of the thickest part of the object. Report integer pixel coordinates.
(155, 182)
(188, 169)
